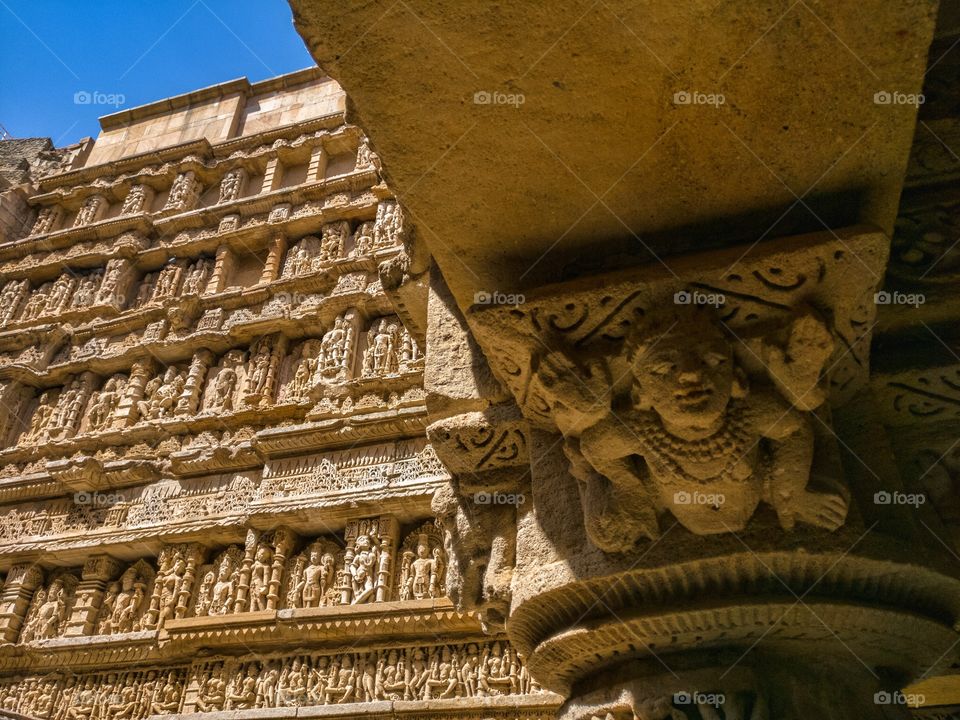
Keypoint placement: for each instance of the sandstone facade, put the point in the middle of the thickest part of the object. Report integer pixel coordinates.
(215, 478)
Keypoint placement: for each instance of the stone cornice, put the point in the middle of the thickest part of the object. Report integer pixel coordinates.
(131, 166)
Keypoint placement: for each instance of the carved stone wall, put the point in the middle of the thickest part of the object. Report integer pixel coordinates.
(213, 436)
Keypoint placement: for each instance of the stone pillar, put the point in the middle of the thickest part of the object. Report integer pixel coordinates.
(272, 176)
(478, 433)
(283, 540)
(275, 254)
(243, 581)
(223, 267)
(98, 570)
(15, 598)
(189, 400)
(317, 170)
(127, 412)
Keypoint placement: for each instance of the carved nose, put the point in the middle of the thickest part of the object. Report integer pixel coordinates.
(690, 376)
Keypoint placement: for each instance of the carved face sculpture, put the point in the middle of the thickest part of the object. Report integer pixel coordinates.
(685, 372)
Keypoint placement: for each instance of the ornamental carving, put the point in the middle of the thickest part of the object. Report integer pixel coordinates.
(50, 608)
(668, 389)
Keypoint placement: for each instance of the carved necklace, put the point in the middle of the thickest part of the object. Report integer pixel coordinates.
(730, 441)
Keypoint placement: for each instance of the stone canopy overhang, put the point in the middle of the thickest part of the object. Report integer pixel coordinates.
(537, 141)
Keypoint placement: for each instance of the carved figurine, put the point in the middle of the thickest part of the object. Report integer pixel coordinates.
(223, 388)
(260, 578)
(161, 395)
(184, 193)
(382, 354)
(231, 185)
(421, 574)
(46, 219)
(86, 293)
(59, 295)
(196, 280)
(243, 695)
(699, 429)
(213, 691)
(91, 210)
(136, 200)
(334, 349)
(167, 696)
(334, 235)
(364, 569)
(105, 403)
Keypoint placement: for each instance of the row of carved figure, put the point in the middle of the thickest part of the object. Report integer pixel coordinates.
(117, 286)
(184, 195)
(470, 670)
(365, 565)
(270, 371)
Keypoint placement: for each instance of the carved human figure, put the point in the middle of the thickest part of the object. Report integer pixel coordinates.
(86, 293)
(292, 686)
(364, 570)
(267, 685)
(333, 348)
(392, 677)
(46, 219)
(122, 703)
(231, 185)
(10, 300)
(40, 420)
(333, 237)
(243, 694)
(382, 354)
(302, 374)
(223, 589)
(443, 681)
(50, 614)
(84, 702)
(136, 200)
(318, 579)
(213, 691)
(363, 239)
(258, 371)
(145, 291)
(167, 696)
(196, 280)
(59, 294)
(129, 602)
(223, 388)
(388, 226)
(161, 395)
(365, 156)
(498, 674)
(69, 408)
(699, 429)
(184, 193)
(168, 280)
(91, 210)
(421, 573)
(470, 670)
(104, 404)
(343, 683)
(260, 578)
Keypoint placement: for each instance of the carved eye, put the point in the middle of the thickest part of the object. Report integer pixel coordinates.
(714, 359)
(664, 367)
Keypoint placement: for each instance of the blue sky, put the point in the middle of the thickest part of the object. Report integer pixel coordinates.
(64, 63)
